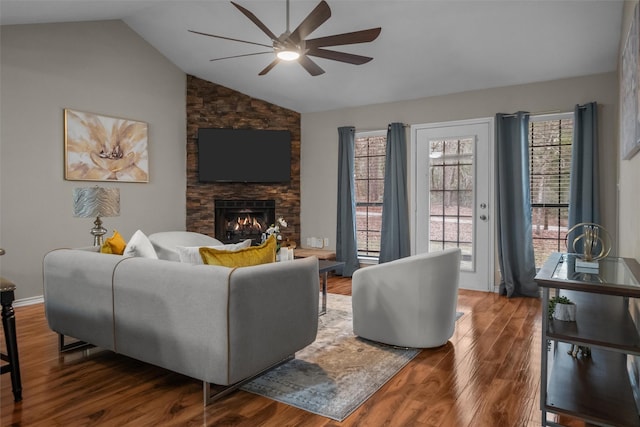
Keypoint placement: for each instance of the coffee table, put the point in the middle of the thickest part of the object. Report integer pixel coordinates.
(324, 267)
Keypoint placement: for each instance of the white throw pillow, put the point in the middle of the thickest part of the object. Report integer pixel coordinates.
(191, 254)
(165, 242)
(140, 246)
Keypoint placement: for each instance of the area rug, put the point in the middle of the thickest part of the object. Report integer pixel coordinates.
(338, 372)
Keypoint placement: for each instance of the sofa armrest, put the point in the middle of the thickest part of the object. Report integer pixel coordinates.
(273, 312)
(95, 249)
(173, 315)
(77, 294)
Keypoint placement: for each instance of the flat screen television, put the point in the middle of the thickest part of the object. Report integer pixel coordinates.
(244, 155)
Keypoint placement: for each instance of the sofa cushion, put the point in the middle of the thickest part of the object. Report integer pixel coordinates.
(114, 244)
(191, 254)
(140, 246)
(166, 242)
(254, 255)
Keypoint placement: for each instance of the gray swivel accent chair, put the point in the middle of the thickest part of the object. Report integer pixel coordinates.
(409, 302)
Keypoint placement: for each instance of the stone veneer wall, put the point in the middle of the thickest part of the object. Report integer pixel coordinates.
(213, 106)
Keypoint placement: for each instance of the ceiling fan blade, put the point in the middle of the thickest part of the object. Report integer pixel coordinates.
(229, 38)
(269, 67)
(362, 36)
(240, 56)
(256, 21)
(317, 17)
(311, 67)
(339, 56)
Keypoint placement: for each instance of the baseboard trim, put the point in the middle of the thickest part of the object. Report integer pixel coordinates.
(28, 301)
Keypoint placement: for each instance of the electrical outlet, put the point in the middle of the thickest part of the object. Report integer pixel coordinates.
(326, 242)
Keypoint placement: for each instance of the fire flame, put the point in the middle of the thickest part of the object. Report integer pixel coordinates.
(247, 223)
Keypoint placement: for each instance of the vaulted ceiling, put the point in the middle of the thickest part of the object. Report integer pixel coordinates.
(426, 48)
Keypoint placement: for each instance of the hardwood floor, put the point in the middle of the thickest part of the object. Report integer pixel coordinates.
(487, 375)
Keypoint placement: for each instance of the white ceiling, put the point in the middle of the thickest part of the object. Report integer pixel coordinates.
(426, 48)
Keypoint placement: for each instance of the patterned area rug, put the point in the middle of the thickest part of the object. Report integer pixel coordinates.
(337, 373)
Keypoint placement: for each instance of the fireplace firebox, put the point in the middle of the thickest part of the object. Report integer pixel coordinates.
(238, 220)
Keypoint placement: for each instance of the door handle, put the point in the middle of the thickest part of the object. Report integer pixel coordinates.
(483, 217)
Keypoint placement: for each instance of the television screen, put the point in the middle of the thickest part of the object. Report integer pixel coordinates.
(244, 155)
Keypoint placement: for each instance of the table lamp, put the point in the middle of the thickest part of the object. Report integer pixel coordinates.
(96, 201)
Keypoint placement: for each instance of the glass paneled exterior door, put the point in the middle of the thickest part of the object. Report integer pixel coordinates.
(452, 186)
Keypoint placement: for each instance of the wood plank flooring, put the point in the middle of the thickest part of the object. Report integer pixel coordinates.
(487, 375)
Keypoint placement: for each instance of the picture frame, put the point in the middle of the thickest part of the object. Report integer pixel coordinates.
(104, 148)
(629, 82)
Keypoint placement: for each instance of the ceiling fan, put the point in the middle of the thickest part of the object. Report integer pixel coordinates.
(291, 46)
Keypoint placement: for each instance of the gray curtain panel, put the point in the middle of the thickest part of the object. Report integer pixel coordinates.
(583, 189)
(394, 242)
(346, 240)
(513, 202)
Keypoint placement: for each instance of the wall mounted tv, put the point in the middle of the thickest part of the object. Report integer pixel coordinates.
(244, 155)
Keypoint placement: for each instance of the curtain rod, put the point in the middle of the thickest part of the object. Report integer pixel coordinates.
(540, 113)
(537, 113)
(378, 129)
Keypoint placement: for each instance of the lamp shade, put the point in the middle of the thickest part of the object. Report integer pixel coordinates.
(96, 201)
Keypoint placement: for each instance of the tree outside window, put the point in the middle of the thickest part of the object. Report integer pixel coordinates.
(550, 140)
(370, 151)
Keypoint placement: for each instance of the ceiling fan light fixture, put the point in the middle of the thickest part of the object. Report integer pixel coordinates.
(294, 46)
(288, 55)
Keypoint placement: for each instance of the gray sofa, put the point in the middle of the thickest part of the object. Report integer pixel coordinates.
(217, 324)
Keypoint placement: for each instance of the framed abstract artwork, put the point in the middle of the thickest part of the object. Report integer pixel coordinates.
(104, 148)
(629, 81)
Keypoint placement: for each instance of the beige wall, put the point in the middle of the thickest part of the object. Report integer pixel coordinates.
(104, 67)
(629, 218)
(100, 67)
(320, 137)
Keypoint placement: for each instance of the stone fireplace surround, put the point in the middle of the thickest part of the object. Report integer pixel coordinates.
(211, 105)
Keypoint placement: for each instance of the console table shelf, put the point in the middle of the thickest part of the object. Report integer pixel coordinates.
(604, 321)
(595, 389)
(600, 389)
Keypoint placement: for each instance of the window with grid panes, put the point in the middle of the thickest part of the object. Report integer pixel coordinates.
(451, 197)
(550, 139)
(370, 149)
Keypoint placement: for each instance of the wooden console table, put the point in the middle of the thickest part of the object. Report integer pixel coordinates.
(599, 388)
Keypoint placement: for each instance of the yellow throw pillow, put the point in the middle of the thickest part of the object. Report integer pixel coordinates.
(114, 244)
(254, 255)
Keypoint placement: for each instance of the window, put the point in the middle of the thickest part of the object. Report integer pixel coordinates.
(550, 140)
(370, 149)
(451, 196)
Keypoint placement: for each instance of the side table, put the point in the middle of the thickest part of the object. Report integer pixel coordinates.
(321, 254)
(7, 297)
(324, 268)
